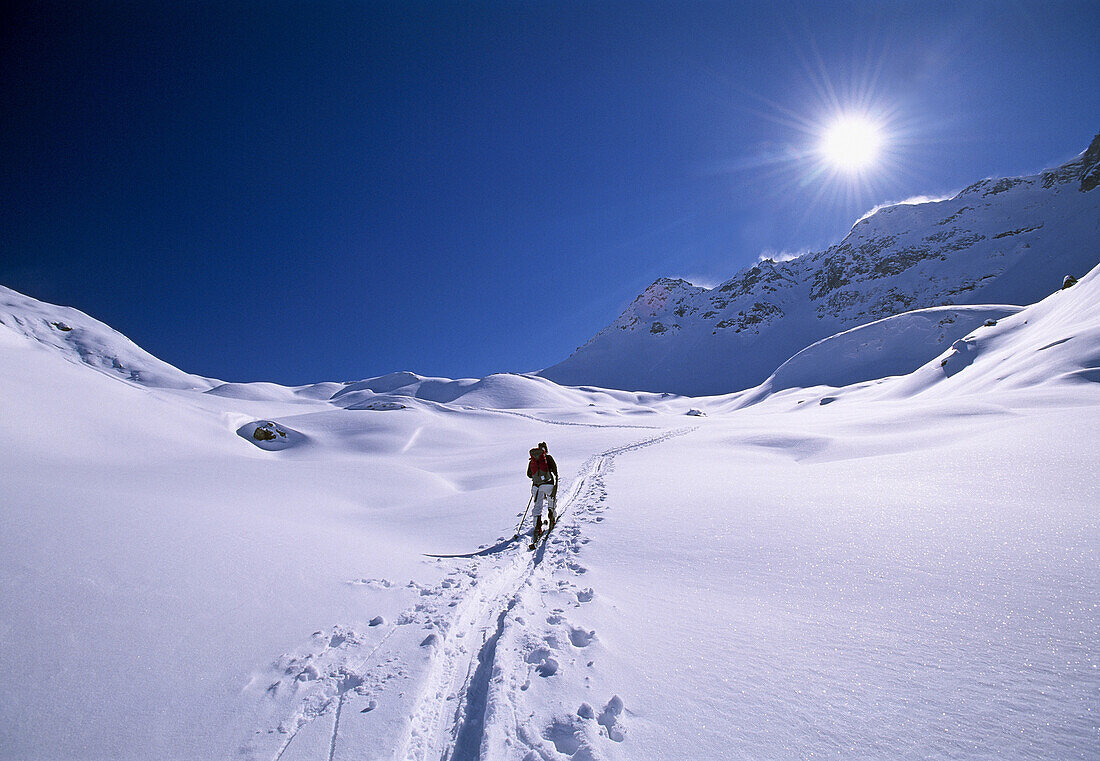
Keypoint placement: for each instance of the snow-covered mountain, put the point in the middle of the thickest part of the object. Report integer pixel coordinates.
(999, 241)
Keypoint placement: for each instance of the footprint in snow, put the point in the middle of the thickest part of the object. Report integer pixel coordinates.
(544, 664)
(581, 638)
(569, 738)
(609, 719)
(372, 583)
(565, 736)
(585, 595)
(348, 681)
(538, 655)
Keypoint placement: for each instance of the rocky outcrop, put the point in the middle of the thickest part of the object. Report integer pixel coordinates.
(269, 431)
(270, 435)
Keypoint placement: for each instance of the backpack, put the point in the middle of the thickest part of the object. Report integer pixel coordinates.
(540, 471)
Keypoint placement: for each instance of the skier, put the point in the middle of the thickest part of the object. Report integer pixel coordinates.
(543, 472)
(554, 492)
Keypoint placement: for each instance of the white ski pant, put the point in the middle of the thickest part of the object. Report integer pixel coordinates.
(540, 494)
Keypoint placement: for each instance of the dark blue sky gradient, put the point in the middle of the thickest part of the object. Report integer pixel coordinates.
(300, 192)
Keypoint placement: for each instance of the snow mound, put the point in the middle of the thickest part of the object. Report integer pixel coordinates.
(379, 405)
(503, 391)
(273, 392)
(83, 339)
(508, 391)
(254, 392)
(318, 391)
(401, 384)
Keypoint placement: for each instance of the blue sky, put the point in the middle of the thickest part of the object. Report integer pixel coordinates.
(300, 192)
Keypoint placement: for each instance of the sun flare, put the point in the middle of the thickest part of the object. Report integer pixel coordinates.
(851, 143)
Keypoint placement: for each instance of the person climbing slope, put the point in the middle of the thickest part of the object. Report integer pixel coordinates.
(553, 504)
(543, 472)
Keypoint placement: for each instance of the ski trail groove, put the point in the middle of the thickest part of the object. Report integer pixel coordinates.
(360, 664)
(336, 727)
(461, 674)
(473, 616)
(579, 425)
(470, 719)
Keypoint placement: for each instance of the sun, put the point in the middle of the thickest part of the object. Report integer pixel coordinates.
(851, 143)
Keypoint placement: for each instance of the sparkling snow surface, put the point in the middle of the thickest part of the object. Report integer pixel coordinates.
(901, 567)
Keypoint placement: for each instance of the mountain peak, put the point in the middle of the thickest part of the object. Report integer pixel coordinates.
(1084, 169)
(666, 285)
(663, 295)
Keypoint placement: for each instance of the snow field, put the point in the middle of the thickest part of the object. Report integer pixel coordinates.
(935, 602)
(903, 567)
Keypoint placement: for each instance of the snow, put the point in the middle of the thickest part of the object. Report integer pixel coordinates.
(79, 338)
(895, 345)
(887, 550)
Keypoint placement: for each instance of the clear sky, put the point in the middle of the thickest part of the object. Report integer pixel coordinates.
(311, 191)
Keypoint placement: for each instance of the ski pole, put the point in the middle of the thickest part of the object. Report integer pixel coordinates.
(521, 520)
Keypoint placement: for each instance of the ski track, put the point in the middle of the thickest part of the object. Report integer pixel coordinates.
(448, 682)
(464, 676)
(336, 727)
(578, 425)
(465, 618)
(347, 673)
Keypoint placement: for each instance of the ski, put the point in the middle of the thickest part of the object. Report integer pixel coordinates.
(543, 535)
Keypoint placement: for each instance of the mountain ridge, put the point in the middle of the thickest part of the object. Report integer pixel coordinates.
(999, 240)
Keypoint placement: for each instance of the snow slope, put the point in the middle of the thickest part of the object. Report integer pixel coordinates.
(80, 338)
(902, 566)
(1004, 241)
(895, 345)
